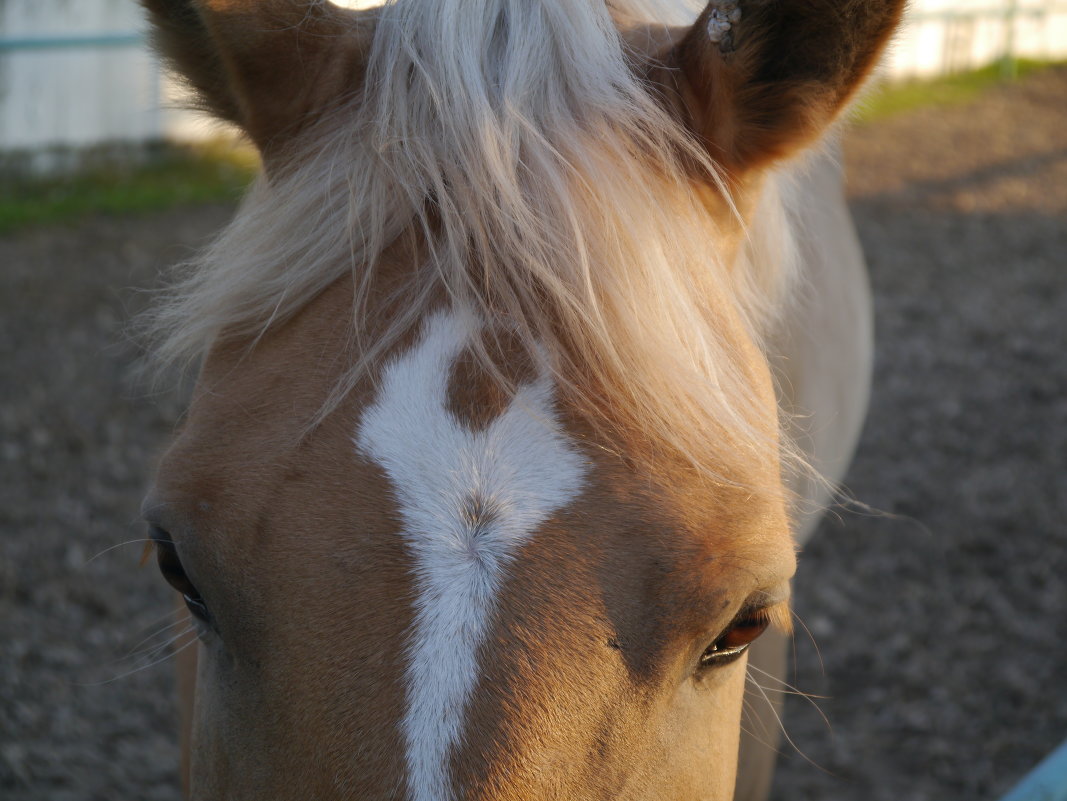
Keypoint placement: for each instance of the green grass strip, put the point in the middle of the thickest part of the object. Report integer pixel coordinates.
(179, 177)
(891, 99)
(221, 171)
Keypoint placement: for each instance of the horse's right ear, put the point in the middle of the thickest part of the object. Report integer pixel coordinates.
(757, 79)
(270, 66)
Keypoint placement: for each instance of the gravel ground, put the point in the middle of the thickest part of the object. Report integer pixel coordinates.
(942, 621)
(940, 617)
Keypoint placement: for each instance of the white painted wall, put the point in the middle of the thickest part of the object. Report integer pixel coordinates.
(945, 36)
(74, 96)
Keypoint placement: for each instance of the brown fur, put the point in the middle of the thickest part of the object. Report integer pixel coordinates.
(793, 65)
(588, 688)
(291, 540)
(273, 67)
(278, 531)
(596, 635)
(477, 397)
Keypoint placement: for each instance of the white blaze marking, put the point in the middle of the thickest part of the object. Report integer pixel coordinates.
(468, 500)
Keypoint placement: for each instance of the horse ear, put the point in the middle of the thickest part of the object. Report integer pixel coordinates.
(758, 79)
(270, 66)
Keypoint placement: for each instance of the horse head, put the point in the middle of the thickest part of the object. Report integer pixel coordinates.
(480, 494)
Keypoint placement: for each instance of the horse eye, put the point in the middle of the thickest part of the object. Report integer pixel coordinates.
(174, 573)
(735, 640)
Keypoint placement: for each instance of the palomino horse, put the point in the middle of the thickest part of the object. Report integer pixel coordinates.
(481, 493)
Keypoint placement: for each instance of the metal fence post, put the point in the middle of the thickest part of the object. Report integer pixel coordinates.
(1009, 66)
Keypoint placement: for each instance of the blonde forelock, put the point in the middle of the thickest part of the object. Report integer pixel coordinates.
(553, 193)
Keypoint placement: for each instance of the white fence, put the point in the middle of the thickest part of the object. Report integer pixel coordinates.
(74, 73)
(77, 73)
(945, 36)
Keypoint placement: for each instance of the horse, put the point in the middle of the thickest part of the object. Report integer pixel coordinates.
(524, 367)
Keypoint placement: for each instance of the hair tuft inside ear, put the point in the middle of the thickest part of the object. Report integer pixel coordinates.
(182, 40)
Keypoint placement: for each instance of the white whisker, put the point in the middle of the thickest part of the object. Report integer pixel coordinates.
(781, 726)
(151, 651)
(191, 641)
(135, 651)
(818, 653)
(749, 712)
(113, 547)
(790, 690)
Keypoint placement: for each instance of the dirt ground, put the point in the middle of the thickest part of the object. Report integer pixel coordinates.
(940, 621)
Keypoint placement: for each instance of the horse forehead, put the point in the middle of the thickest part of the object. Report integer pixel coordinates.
(434, 422)
(468, 499)
(479, 502)
(459, 449)
(465, 471)
(476, 493)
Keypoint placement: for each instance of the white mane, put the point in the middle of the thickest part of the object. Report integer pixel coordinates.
(515, 139)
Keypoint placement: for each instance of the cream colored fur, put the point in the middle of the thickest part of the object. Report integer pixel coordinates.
(548, 185)
(823, 348)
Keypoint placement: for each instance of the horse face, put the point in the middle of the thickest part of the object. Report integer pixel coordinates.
(444, 589)
(442, 592)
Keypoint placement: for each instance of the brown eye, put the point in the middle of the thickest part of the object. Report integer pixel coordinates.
(174, 573)
(736, 639)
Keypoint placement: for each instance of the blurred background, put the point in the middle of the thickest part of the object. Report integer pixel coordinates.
(933, 623)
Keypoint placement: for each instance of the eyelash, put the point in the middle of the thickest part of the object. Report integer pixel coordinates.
(173, 571)
(735, 641)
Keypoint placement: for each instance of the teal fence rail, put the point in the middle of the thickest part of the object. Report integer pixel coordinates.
(72, 42)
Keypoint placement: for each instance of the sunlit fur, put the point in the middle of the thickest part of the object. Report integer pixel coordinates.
(547, 183)
(469, 501)
(522, 164)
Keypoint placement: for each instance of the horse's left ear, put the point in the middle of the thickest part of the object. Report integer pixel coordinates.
(758, 79)
(270, 66)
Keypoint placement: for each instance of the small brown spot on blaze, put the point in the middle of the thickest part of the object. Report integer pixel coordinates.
(479, 393)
